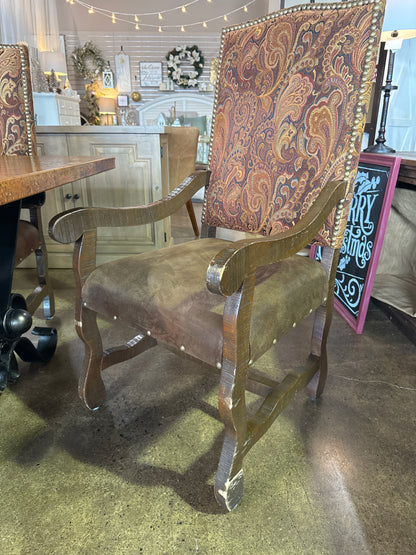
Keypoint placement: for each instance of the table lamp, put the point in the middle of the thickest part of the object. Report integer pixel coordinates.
(399, 23)
(53, 61)
(107, 109)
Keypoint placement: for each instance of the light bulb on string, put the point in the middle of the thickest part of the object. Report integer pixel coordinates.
(133, 18)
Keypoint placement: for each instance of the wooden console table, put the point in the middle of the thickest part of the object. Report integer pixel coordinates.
(407, 172)
(140, 177)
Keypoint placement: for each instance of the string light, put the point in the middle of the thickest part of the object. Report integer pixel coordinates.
(183, 29)
(133, 18)
(137, 27)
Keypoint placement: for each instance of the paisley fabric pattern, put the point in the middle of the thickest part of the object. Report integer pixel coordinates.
(291, 105)
(17, 126)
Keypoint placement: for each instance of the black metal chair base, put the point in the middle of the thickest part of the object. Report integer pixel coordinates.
(15, 322)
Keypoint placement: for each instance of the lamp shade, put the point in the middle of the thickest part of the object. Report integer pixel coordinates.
(53, 60)
(399, 20)
(106, 105)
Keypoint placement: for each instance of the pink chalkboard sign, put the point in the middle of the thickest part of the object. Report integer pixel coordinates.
(360, 252)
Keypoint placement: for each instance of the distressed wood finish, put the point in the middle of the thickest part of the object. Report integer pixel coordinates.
(229, 481)
(322, 324)
(70, 225)
(140, 177)
(22, 176)
(230, 266)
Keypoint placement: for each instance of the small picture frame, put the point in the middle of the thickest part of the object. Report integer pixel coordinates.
(122, 100)
(150, 74)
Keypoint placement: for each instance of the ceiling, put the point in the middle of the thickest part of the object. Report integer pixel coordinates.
(75, 17)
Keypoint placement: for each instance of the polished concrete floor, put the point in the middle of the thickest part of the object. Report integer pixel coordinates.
(332, 477)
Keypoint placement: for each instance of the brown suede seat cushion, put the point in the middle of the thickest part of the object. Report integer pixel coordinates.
(165, 293)
(28, 239)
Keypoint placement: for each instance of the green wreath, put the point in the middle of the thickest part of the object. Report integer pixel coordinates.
(191, 55)
(88, 61)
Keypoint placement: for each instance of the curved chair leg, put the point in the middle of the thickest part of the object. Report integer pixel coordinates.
(91, 386)
(191, 213)
(322, 324)
(43, 292)
(321, 327)
(229, 481)
(48, 303)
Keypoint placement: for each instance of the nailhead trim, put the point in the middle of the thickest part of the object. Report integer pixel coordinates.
(369, 56)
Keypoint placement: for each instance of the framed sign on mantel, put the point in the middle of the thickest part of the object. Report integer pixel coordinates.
(150, 74)
(367, 221)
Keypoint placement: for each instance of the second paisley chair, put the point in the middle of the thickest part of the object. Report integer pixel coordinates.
(18, 137)
(289, 114)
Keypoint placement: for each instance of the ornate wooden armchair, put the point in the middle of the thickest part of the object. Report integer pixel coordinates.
(18, 137)
(290, 109)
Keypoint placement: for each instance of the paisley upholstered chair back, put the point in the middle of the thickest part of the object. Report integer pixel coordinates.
(17, 124)
(289, 114)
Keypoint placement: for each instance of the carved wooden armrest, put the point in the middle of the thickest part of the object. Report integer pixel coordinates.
(68, 226)
(232, 265)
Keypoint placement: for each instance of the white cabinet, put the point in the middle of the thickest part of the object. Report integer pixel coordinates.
(56, 109)
(139, 178)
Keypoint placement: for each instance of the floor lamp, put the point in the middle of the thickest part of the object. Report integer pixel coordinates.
(399, 23)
